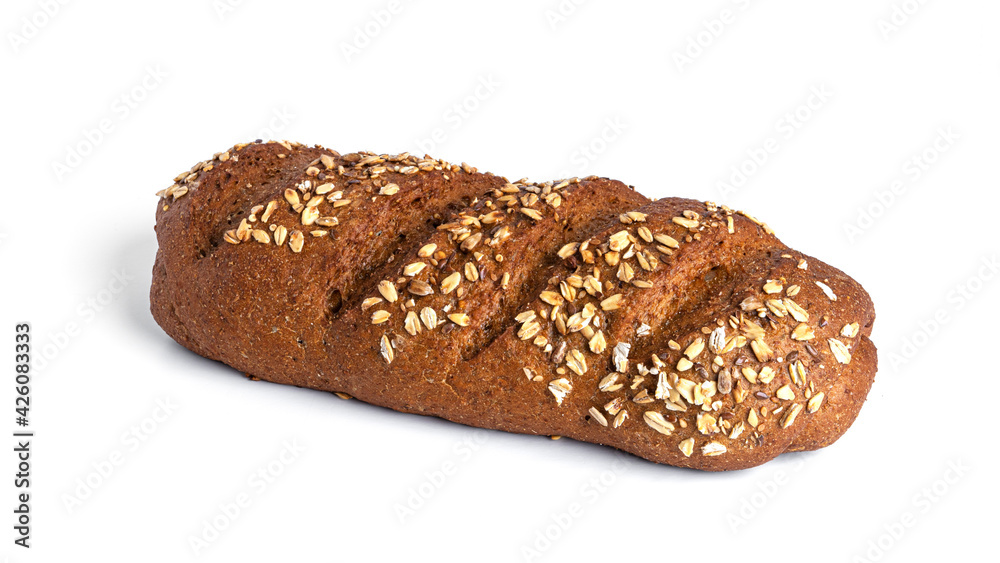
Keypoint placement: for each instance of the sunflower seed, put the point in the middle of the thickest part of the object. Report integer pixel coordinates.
(470, 243)
(695, 349)
(667, 240)
(420, 288)
(324, 189)
(656, 421)
(816, 402)
(597, 416)
(791, 415)
(724, 381)
(386, 348)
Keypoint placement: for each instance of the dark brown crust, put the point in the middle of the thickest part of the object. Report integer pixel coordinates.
(297, 318)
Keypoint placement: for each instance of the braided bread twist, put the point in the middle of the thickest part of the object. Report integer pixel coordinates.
(680, 331)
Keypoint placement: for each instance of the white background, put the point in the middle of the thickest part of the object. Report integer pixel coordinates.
(607, 77)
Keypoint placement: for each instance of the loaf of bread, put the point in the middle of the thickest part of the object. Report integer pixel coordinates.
(681, 331)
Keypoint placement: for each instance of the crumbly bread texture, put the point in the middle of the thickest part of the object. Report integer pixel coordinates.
(681, 331)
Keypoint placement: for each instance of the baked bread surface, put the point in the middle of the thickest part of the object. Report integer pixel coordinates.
(681, 331)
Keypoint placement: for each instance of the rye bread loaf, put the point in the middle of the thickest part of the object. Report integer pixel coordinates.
(680, 331)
